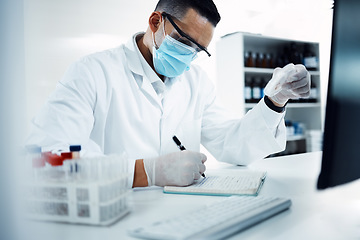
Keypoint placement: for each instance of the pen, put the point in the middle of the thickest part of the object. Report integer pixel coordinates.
(181, 147)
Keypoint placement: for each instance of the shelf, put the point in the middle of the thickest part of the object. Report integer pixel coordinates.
(258, 70)
(232, 90)
(290, 105)
(314, 73)
(303, 105)
(295, 138)
(270, 71)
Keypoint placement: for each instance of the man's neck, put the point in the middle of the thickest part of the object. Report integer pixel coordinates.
(145, 51)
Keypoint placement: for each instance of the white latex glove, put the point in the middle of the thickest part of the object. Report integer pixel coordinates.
(175, 169)
(289, 82)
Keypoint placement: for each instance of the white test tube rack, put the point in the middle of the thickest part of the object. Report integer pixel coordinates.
(99, 201)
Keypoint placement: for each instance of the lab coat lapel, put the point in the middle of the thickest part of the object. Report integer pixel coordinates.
(174, 100)
(149, 92)
(135, 66)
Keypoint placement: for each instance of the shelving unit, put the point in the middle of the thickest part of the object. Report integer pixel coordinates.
(232, 74)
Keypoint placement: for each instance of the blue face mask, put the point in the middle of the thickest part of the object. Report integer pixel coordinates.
(172, 58)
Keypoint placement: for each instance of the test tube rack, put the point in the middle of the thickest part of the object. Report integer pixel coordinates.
(95, 202)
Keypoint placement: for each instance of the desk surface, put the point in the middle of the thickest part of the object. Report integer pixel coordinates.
(329, 214)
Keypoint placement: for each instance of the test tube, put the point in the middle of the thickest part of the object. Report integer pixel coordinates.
(33, 162)
(75, 151)
(56, 169)
(70, 169)
(70, 166)
(38, 164)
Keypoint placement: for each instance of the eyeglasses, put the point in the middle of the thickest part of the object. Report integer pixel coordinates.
(184, 38)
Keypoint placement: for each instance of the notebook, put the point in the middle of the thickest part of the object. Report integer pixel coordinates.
(244, 183)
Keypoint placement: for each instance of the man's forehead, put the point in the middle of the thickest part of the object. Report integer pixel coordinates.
(197, 26)
(192, 15)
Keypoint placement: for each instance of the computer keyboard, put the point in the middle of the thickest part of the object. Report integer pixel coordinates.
(215, 221)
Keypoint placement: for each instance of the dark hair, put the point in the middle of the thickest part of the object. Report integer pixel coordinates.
(178, 9)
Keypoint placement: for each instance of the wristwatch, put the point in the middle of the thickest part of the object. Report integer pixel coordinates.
(272, 106)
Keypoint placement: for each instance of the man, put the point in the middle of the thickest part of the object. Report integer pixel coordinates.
(136, 97)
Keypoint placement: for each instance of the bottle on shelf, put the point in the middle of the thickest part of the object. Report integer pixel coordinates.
(294, 128)
(286, 56)
(256, 89)
(290, 130)
(262, 87)
(264, 62)
(280, 60)
(250, 59)
(248, 90)
(259, 60)
(246, 58)
(295, 56)
(254, 57)
(270, 61)
(313, 93)
(310, 61)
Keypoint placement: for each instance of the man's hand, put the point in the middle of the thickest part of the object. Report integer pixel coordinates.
(176, 169)
(289, 82)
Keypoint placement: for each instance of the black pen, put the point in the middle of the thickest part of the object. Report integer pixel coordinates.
(181, 147)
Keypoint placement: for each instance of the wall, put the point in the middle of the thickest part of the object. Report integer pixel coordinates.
(59, 32)
(11, 115)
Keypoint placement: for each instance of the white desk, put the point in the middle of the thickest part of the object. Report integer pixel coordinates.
(329, 214)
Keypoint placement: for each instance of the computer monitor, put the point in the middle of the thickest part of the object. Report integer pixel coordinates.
(341, 149)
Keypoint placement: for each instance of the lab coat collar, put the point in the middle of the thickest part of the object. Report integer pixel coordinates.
(134, 63)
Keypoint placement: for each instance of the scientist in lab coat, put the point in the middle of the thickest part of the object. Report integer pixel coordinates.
(136, 97)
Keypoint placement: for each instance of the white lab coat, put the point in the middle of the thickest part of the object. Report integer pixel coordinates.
(112, 101)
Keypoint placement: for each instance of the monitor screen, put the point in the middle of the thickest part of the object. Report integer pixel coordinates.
(341, 150)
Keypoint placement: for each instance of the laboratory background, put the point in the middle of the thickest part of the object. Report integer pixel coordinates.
(57, 33)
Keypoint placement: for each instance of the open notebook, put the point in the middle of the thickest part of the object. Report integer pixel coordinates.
(244, 183)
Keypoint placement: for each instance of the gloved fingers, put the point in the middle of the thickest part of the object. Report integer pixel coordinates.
(289, 73)
(194, 156)
(279, 77)
(276, 71)
(202, 168)
(199, 157)
(296, 84)
(285, 74)
(304, 95)
(197, 175)
(298, 74)
(289, 68)
(301, 71)
(272, 88)
(302, 90)
(203, 158)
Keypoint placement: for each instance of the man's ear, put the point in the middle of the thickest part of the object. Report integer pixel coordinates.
(155, 21)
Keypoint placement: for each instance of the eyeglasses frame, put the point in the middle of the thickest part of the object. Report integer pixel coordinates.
(183, 34)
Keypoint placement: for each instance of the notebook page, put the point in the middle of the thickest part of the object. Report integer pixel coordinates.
(247, 184)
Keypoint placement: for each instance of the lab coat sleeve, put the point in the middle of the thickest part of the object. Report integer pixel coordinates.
(67, 117)
(240, 141)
